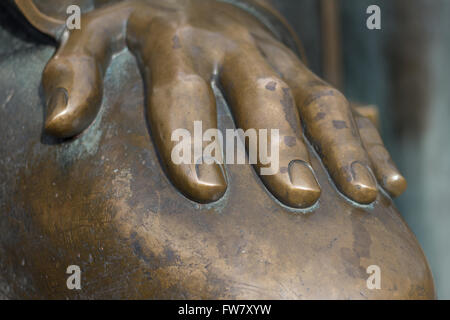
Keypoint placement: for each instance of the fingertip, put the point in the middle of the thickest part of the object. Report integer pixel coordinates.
(305, 190)
(359, 184)
(58, 122)
(302, 196)
(203, 183)
(395, 184)
(295, 186)
(54, 127)
(210, 184)
(73, 86)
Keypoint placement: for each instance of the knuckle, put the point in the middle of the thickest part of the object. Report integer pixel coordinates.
(272, 83)
(332, 95)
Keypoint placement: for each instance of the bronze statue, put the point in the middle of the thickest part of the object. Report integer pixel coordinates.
(98, 198)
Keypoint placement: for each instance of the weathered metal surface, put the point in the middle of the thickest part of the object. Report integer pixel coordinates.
(102, 201)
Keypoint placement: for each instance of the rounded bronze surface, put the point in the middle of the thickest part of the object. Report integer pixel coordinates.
(102, 201)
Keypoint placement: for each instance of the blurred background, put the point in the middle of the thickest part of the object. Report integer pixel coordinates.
(404, 70)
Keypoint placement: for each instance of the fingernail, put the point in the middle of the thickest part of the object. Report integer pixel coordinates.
(395, 184)
(211, 182)
(364, 186)
(56, 107)
(305, 188)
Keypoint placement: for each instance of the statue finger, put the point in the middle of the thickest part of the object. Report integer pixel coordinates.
(385, 170)
(262, 102)
(180, 107)
(329, 124)
(73, 78)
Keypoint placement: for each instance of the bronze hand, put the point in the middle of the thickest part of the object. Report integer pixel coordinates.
(180, 46)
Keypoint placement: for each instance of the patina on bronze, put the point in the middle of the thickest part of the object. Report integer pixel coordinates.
(100, 200)
(180, 47)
